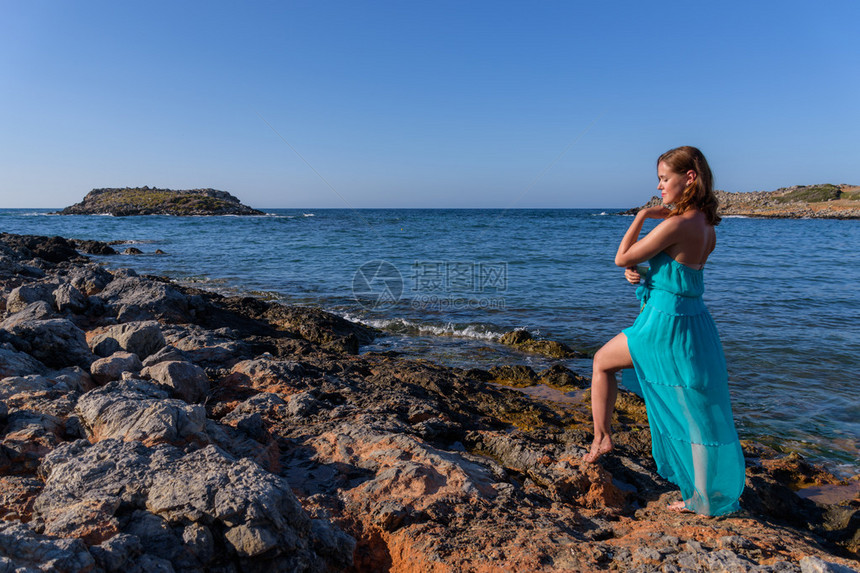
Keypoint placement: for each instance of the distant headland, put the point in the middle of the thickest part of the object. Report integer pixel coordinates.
(130, 201)
(823, 201)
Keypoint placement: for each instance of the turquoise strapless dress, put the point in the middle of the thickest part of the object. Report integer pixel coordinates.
(680, 370)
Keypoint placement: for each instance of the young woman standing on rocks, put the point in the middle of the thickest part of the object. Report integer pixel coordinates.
(673, 348)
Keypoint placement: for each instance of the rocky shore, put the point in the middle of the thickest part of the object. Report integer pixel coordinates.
(146, 426)
(130, 201)
(799, 202)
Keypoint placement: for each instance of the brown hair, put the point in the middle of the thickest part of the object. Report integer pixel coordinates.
(699, 195)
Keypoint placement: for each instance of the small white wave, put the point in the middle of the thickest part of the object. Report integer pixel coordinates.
(735, 217)
(401, 325)
(308, 214)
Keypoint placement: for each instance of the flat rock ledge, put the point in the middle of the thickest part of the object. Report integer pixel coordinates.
(149, 427)
(130, 201)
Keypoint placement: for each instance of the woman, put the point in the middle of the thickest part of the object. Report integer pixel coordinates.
(673, 347)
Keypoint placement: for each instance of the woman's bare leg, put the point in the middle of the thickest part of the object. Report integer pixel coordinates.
(612, 357)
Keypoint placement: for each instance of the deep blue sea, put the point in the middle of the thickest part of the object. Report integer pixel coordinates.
(443, 283)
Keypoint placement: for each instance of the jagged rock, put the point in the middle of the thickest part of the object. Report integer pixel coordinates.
(17, 494)
(85, 485)
(132, 251)
(517, 375)
(29, 437)
(562, 377)
(812, 564)
(51, 249)
(207, 347)
(9, 268)
(89, 279)
(21, 297)
(138, 410)
(268, 375)
(193, 510)
(14, 385)
(522, 340)
(140, 338)
(53, 395)
(68, 298)
(111, 368)
(323, 328)
(186, 380)
(93, 247)
(55, 342)
(515, 337)
(75, 378)
(259, 512)
(405, 470)
(165, 354)
(303, 405)
(14, 363)
(24, 550)
(39, 310)
(118, 554)
(136, 299)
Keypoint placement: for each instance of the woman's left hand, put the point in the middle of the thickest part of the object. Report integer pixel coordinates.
(632, 275)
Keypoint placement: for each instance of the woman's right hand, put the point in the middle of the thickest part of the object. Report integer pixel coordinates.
(632, 275)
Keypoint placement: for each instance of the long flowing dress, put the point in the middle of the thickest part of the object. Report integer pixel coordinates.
(680, 370)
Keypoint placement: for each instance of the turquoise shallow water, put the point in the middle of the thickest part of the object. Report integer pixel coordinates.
(443, 283)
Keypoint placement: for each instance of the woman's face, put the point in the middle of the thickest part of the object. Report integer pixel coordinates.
(672, 184)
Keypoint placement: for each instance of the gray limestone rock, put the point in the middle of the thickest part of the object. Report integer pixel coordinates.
(38, 310)
(165, 354)
(55, 342)
(812, 564)
(24, 550)
(726, 561)
(111, 368)
(259, 513)
(141, 338)
(75, 378)
(136, 298)
(14, 385)
(138, 410)
(89, 279)
(68, 298)
(14, 363)
(26, 294)
(185, 380)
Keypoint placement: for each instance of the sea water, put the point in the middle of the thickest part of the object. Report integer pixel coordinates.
(444, 284)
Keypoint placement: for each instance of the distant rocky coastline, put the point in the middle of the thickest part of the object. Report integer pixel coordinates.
(824, 201)
(146, 426)
(130, 201)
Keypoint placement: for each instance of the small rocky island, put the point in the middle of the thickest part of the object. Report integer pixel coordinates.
(150, 201)
(825, 201)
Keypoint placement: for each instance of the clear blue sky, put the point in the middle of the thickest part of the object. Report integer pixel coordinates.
(436, 104)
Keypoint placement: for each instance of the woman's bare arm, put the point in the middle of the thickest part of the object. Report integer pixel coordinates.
(632, 250)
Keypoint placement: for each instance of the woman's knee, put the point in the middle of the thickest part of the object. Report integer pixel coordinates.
(612, 356)
(601, 362)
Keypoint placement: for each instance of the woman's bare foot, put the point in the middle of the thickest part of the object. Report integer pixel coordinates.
(599, 447)
(679, 507)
